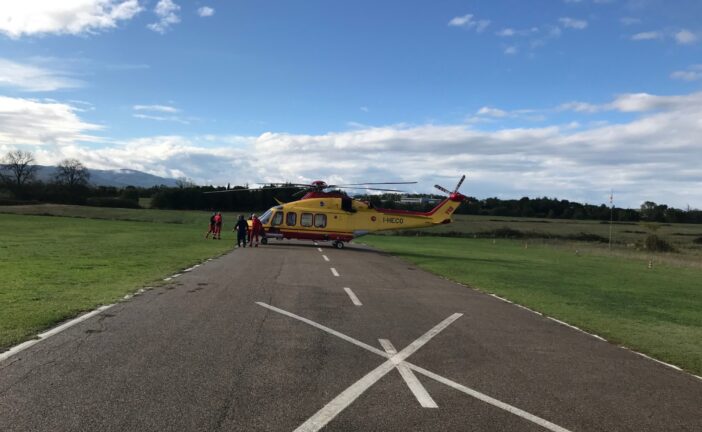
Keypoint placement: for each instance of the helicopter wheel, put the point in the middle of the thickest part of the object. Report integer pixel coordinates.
(338, 244)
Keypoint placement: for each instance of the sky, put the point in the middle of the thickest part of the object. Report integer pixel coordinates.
(569, 99)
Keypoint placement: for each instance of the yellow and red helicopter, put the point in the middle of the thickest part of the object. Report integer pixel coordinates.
(322, 215)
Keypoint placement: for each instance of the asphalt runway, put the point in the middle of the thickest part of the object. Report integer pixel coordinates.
(292, 336)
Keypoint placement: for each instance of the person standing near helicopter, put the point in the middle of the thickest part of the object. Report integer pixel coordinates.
(256, 229)
(241, 228)
(218, 227)
(211, 229)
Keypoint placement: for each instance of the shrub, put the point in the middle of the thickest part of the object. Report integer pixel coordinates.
(698, 240)
(657, 244)
(588, 237)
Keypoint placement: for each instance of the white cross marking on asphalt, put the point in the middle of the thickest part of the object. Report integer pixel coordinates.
(338, 404)
(410, 378)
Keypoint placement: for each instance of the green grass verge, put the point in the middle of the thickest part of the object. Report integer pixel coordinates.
(657, 312)
(52, 268)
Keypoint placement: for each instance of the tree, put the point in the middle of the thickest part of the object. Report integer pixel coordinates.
(18, 168)
(72, 173)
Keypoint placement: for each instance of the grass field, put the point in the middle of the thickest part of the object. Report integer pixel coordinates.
(656, 311)
(624, 234)
(52, 268)
(56, 261)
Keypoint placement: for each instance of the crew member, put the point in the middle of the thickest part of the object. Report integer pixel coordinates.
(256, 230)
(211, 229)
(241, 227)
(218, 227)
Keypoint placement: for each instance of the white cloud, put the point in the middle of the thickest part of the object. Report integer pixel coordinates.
(36, 17)
(510, 50)
(491, 112)
(506, 32)
(581, 107)
(685, 37)
(32, 78)
(167, 11)
(693, 73)
(467, 21)
(650, 35)
(33, 122)
(157, 108)
(205, 11)
(656, 156)
(164, 113)
(364, 109)
(572, 23)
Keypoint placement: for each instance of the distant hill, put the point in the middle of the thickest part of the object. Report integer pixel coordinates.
(117, 178)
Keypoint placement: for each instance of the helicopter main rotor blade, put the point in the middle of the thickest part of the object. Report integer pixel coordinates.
(381, 183)
(442, 189)
(254, 190)
(460, 182)
(285, 184)
(368, 188)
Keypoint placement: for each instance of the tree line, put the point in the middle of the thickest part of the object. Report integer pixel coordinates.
(71, 185)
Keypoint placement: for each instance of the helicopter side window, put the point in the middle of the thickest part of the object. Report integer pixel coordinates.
(347, 205)
(306, 219)
(320, 220)
(291, 219)
(277, 219)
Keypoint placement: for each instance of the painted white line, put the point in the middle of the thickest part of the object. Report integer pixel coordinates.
(658, 361)
(483, 397)
(487, 399)
(167, 279)
(176, 275)
(349, 339)
(326, 258)
(417, 389)
(319, 249)
(23, 346)
(334, 272)
(353, 297)
(346, 398)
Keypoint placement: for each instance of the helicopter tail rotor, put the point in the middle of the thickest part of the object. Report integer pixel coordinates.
(455, 195)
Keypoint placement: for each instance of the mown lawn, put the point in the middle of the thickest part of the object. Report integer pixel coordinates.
(657, 311)
(52, 268)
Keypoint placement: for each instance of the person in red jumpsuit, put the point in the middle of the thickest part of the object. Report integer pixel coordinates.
(217, 235)
(256, 230)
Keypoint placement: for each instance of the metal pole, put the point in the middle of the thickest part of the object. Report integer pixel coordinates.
(611, 217)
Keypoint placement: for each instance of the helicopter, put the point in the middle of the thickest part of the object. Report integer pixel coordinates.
(322, 215)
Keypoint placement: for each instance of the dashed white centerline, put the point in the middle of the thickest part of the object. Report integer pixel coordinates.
(319, 249)
(353, 297)
(334, 272)
(326, 258)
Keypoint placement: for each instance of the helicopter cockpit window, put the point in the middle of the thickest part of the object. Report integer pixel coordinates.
(306, 219)
(278, 219)
(265, 217)
(291, 219)
(320, 220)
